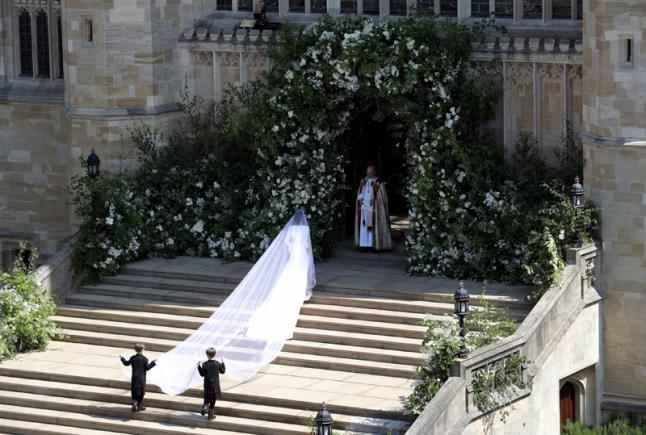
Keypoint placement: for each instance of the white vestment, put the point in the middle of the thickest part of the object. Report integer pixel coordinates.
(366, 227)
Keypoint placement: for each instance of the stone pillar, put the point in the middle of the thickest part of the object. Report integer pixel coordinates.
(34, 42)
(464, 9)
(218, 92)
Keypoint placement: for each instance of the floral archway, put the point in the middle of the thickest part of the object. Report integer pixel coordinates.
(322, 75)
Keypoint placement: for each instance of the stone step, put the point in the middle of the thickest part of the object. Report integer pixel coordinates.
(19, 427)
(117, 418)
(347, 362)
(176, 335)
(249, 411)
(284, 402)
(206, 308)
(315, 334)
(138, 275)
(311, 322)
(320, 298)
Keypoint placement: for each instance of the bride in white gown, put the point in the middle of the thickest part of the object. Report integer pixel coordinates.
(251, 326)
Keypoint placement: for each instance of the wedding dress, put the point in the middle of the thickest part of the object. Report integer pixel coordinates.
(249, 329)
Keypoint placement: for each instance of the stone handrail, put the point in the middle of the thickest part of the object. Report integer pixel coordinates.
(56, 276)
(535, 338)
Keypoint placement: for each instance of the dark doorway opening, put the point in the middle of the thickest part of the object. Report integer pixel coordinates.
(375, 135)
(567, 403)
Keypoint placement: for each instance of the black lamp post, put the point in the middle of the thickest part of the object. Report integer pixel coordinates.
(93, 165)
(461, 298)
(578, 202)
(324, 421)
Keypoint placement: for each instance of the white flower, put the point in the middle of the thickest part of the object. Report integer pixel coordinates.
(562, 235)
(199, 185)
(198, 227)
(289, 75)
(109, 221)
(490, 201)
(170, 241)
(216, 185)
(290, 114)
(275, 128)
(189, 202)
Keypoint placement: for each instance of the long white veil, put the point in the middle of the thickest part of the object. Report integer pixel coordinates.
(251, 326)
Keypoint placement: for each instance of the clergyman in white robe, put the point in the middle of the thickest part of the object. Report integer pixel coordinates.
(372, 221)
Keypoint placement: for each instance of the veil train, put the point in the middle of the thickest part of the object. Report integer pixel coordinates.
(251, 326)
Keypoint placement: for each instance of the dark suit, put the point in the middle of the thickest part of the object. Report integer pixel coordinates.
(140, 366)
(210, 371)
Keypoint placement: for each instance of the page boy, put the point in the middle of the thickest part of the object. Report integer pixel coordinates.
(210, 371)
(140, 366)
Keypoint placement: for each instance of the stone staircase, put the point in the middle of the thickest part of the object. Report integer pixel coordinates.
(355, 348)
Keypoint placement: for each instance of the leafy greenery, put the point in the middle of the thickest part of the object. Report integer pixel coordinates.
(442, 342)
(617, 427)
(496, 385)
(227, 178)
(24, 308)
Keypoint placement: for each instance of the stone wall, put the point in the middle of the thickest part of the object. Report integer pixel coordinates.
(130, 66)
(6, 57)
(614, 104)
(34, 173)
(574, 357)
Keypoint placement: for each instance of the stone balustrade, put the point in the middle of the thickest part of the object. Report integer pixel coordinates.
(535, 339)
(56, 276)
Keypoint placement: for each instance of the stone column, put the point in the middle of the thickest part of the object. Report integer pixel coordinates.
(536, 101)
(333, 7)
(51, 41)
(547, 10)
(565, 90)
(34, 43)
(464, 9)
(244, 67)
(283, 7)
(507, 106)
(218, 93)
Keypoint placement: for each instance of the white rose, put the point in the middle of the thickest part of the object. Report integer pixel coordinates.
(109, 221)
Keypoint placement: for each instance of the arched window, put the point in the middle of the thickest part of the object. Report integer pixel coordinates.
(26, 55)
(42, 42)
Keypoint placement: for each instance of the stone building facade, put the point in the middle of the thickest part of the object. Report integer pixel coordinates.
(76, 74)
(614, 104)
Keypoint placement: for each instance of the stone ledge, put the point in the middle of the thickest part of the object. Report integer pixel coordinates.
(613, 141)
(126, 112)
(33, 91)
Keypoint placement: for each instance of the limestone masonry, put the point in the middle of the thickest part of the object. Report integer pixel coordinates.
(76, 74)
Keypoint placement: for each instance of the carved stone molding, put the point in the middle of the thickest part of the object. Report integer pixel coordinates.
(37, 5)
(521, 74)
(550, 71)
(230, 59)
(202, 58)
(575, 72)
(257, 60)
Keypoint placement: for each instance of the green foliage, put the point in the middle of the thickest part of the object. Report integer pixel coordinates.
(495, 386)
(485, 325)
(227, 178)
(617, 427)
(24, 309)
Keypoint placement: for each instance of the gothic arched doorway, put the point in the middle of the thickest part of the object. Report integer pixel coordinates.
(375, 135)
(567, 400)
